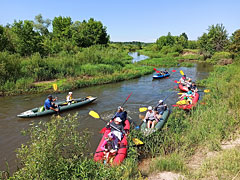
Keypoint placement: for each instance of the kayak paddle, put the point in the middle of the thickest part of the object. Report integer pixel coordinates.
(173, 70)
(182, 73)
(96, 116)
(136, 141)
(104, 129)
(176, 81)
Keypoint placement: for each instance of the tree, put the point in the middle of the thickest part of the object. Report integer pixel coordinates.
(88, 33)
(41, 25)
(26, 41)
(215, 40)
(235, 43)
(62, 27)
(168, 40)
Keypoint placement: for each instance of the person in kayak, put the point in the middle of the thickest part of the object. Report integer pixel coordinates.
(160, 108)
(150, 117)
(183, 80)
(49, 104)
(122, 114)
(108, 147)
(117, 130)
(194, 87)
(69, 98)
(165, 71)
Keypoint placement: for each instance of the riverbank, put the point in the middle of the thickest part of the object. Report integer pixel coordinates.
(192, 145)
(185, 58)
(179, 146)
(92, 66)
(71, 83)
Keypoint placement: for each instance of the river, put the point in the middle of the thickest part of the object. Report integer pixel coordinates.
(145, 91)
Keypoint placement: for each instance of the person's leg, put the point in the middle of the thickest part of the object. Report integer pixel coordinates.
(148, 124)
(153, 124)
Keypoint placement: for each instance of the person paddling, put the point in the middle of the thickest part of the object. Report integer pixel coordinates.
(150, 117)
(121, 114)
(160, 108)
(69, 98)
(49, 104)
(117, 130)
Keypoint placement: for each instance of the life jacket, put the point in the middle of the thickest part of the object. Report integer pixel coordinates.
(68, 98)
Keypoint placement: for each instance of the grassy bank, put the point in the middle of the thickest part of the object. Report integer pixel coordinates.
(184, 134)
(170, 59)
(90, 66)
(205, 127)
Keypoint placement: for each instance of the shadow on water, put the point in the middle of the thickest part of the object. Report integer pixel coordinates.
(144, 92)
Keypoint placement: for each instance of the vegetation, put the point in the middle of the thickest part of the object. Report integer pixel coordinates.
(205, 127)
(57, 150)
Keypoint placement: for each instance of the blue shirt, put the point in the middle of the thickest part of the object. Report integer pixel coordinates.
(47, 104)
(122, 115)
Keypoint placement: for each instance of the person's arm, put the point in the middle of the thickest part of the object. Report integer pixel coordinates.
(53, 109)
(103, 145)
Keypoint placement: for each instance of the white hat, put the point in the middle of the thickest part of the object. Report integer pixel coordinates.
(70, 93)
(118, 119)
(150, 108)
(160, 101)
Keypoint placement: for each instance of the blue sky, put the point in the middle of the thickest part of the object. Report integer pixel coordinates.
(133, 20)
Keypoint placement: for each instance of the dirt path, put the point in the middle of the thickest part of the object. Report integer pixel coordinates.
(201, 155)
(194, 163)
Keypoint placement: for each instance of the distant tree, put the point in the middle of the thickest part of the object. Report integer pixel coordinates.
(192, 45)
(168, 40)
(215, 40)
(184, 35)
(89, 33)
(235, 43)
(62, 27)
(26, 41)
(41, 25)
(3, 39)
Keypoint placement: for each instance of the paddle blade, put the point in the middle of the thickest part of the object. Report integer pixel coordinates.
(176, 81)
(55, 87)
(137, 141)
(154, 69)
(182, 73)
(173, 70)
(180, 93)
(157, 71)
(103, 130)
(142, 109)
(94, 114)
(206, 90)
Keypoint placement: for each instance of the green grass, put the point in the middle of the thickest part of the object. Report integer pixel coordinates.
(167, 61)
(206, 126)
(225, 165)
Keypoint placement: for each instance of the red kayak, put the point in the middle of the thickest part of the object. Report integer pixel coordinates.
(182, 87)
(189, 106)
(122, 151)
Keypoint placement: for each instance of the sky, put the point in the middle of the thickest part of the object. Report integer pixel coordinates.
(133, 20)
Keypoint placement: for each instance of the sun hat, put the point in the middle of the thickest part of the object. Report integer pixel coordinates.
(70, 93)
(160, 101)
(150, 108)
(118, 119)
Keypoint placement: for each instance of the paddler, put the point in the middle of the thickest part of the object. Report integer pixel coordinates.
(69, 98)
(117, 130)
(49, 104)
(121, 114)
(150, 117)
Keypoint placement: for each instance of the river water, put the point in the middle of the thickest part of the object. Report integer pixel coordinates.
(145, 91)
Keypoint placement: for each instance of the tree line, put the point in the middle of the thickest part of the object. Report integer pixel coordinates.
(28, 37)
(216, 39)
